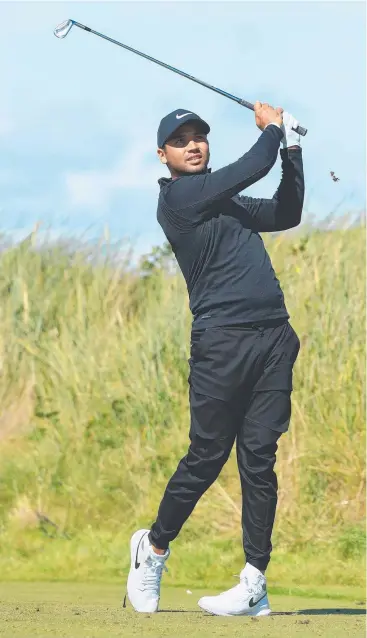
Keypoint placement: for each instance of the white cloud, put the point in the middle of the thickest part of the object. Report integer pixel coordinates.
(95, 188)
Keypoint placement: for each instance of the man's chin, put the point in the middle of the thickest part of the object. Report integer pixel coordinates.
(199, 168)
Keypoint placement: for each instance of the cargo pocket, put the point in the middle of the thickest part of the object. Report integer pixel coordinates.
(270, 405)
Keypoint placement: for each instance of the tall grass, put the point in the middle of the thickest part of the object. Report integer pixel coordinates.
(94, 417)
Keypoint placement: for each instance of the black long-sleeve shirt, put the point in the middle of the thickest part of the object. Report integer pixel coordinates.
(214, 233)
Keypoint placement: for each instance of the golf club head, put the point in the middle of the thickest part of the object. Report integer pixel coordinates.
(63, 29)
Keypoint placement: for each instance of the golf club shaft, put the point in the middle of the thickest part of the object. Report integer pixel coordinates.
(300, 130)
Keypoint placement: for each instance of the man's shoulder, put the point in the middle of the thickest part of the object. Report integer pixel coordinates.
(171, 211)
(176, 194)
(164, 181)
(172, 192)
(165, 215)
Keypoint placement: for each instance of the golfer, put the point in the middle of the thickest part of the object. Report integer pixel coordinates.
(243, 347)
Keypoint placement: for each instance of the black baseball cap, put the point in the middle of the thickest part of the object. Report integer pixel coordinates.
(174, 120)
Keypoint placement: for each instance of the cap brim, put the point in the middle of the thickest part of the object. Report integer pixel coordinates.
(204, 125)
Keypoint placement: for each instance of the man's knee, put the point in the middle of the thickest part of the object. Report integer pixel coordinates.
(206, 457)
(257, 447)
(212, 433)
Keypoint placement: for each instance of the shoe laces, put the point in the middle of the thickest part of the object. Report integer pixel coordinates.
(255, 587)
(153, 573)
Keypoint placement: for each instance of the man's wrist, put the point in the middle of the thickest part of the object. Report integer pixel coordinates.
(290, 141)
(288, 151)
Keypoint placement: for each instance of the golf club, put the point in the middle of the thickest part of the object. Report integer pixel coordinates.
(63, 29)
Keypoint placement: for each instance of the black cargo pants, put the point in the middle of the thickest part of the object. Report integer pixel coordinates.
(240, 389)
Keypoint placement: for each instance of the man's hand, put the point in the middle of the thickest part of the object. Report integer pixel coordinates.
(265, 114)
(291, 138)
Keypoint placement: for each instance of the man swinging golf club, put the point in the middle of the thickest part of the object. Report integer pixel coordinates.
(243, 347)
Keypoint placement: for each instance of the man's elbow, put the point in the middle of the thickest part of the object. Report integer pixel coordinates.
(290, 217)
(296, 217)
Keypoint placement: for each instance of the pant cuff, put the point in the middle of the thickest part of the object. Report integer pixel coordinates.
(260, 563)
(156, 543)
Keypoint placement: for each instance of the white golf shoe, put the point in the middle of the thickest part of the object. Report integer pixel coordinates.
(144, 580)
(249, 598)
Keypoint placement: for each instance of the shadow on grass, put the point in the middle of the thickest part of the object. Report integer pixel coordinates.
(301, 612)
(179, 611)
(322, 612)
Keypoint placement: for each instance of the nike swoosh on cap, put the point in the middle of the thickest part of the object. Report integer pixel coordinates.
(178, 117)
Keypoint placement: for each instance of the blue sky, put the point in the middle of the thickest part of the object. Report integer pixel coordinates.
(78, 117)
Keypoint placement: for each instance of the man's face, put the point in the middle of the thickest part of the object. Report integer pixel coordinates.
(187, 151)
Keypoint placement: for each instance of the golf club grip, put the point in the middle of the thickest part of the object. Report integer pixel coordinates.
(300, 130)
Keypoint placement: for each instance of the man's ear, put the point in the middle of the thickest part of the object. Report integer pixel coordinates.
(162, 156)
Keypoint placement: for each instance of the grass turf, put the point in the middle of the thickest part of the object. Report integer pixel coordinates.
(73, 610)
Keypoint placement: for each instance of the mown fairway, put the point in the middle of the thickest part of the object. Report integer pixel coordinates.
(95, 611)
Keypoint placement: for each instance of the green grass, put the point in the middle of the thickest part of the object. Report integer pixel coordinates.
(94, 418)
(75, 611)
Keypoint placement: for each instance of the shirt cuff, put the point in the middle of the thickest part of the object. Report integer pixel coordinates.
(272, 123)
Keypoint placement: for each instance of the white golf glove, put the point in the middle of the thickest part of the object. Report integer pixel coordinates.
(291, 138)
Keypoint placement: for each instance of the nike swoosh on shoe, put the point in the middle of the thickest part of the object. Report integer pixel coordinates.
(252, 603)
(137, 564)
